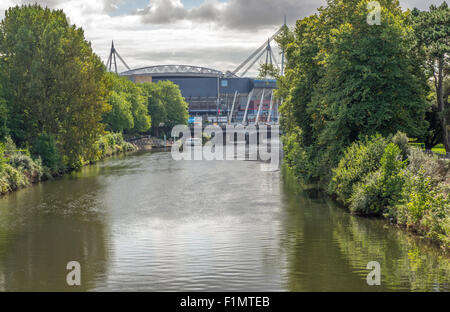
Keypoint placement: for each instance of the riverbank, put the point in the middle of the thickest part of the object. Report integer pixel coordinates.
(19, 170)
(387, 178)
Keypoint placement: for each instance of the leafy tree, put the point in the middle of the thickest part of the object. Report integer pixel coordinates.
(268, 71)
(432, 29)
(139, 108)
(46, 148)
(129, 108)
(346, 79)
(174, 104)
(3, 115)
(166, 105)
(55, 83)
(120, 117)
(156, 107)
(369, 84)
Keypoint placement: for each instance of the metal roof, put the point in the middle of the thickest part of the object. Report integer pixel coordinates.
(174, 70)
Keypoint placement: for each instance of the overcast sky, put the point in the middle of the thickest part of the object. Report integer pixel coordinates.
(212, 33)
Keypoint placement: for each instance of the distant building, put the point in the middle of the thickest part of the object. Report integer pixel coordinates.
(202, 87)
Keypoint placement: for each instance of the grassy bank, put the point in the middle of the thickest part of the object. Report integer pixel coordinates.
(19, 169)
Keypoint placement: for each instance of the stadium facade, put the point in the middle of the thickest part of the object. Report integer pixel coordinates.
(210, 93)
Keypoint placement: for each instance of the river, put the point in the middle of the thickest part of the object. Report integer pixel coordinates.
(144, 222)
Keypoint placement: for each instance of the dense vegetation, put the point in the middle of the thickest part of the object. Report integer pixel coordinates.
(353, 93)
(59, 108)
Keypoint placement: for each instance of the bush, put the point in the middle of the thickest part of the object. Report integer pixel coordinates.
(367, 195)
(429, 166)
(402, 141)
(383, 188)
(10, 146)
(360, 159)
(296, 157)
(426, 209)
(33, 169)
(12, 179)
(112, 143)
(47, 150)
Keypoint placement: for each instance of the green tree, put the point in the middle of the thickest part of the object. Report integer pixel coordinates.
(156, 107)
(268, 71)
(432, 29)
(120, 117)
(370, 84)
(129, 108)
(346, 79)
(46, 148)
(174, 104)
(3, 114)
(55, 83)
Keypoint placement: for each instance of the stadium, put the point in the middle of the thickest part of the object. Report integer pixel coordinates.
(215, 95)
(210, 93)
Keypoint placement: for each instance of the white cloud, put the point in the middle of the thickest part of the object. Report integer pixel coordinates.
(163, 11)
(235, 14)
(217, 35)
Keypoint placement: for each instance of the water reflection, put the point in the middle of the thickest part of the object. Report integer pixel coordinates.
(147, 223)
(44, 227)
(331, 249)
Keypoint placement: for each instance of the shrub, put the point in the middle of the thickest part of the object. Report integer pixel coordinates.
(12, 179)
(383, 188)
(46, 148)
(10, 146)
(112, 143)
(429, 165)
(367, 195)
(402, 141)
(31, 168)
(295, 156)
(426, 209)
(360, 159)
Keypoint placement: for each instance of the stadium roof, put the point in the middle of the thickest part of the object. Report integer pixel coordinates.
(174, 70)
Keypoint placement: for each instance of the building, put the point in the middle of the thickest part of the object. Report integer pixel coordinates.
(210, 93)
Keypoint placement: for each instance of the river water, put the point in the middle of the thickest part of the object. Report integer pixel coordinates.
(144, 222)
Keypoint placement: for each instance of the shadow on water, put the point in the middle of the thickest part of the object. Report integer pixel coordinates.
(44, 227)
(330, 249)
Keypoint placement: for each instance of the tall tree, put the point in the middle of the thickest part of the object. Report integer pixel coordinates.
(120, 117)
(166, 105)
(129, 107)
(346, 79)
(156, 107)
(4, 131)
(174, 104)
(432, 29)
(55, 83)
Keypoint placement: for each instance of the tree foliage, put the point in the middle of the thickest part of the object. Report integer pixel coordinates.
(432, 30)
(54, 83)
(346, 79)
(129, 111)
(166, 105)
